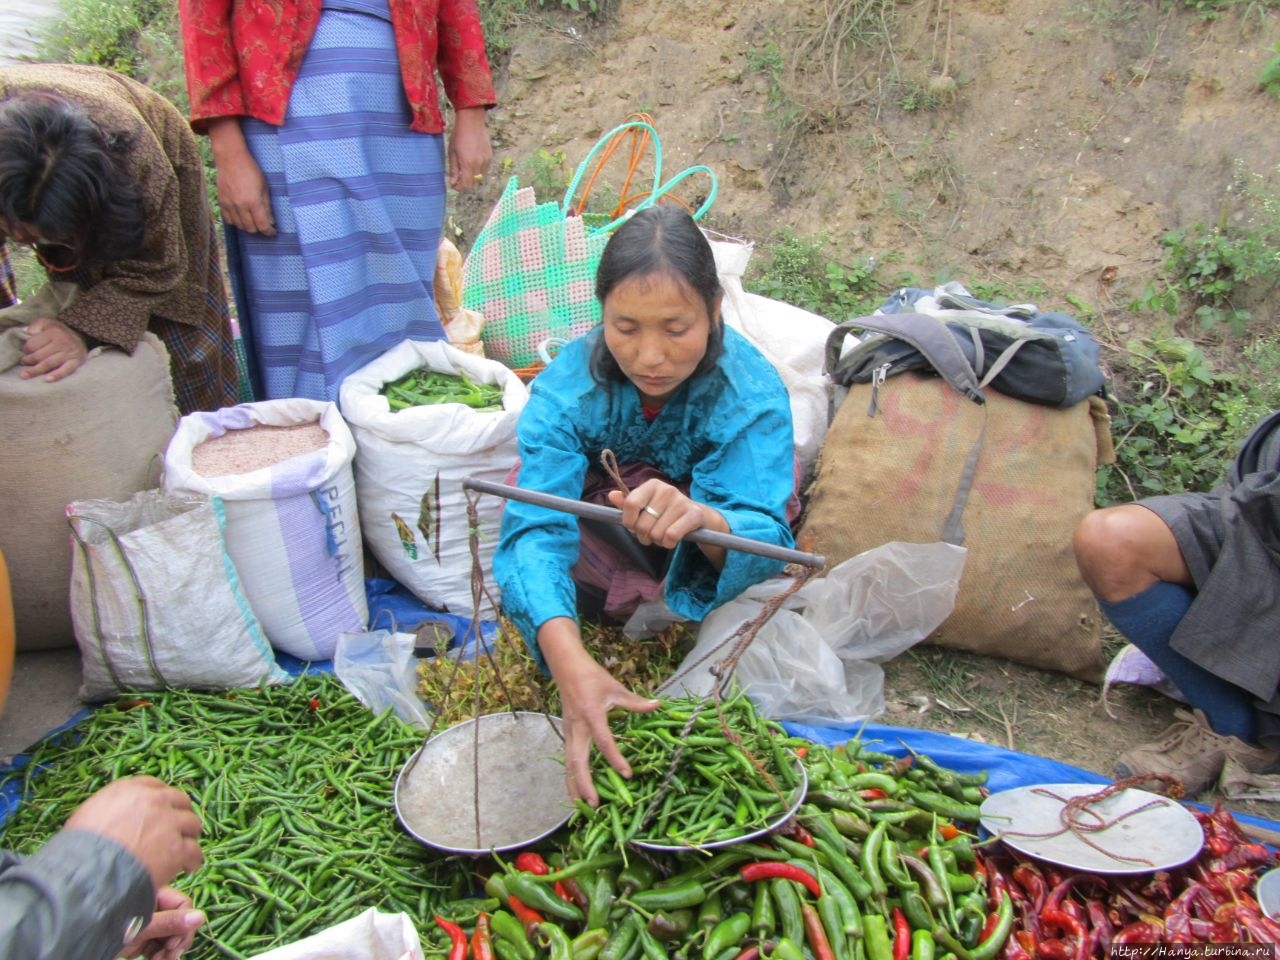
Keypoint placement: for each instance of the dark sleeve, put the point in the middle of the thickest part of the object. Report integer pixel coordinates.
(1257, 498)
(74, 897)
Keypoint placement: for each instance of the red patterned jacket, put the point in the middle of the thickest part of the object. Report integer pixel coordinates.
(243, 56)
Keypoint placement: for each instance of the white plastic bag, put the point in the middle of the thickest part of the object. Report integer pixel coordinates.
(817, 659)
(410, 466)
(378, 666)
(155, 600)
(367, 936)
(293, 528)
(794, 341)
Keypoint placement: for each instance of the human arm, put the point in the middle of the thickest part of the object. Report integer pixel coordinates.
(210, 60)
(95, 881)
(469, 149)
(243, 195)
(587, 693)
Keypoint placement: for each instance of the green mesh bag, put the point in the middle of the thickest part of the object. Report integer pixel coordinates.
(532, 268)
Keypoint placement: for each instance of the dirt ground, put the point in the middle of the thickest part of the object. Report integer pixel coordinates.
(1038, 146)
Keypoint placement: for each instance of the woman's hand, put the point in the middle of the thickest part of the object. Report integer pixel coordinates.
(469, 151)
(587, 693)
(52, 349)
(171, 931)
(243, 194)
(657, 512)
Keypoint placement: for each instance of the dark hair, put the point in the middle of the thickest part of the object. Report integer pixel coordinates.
(61, 174)
(659, 240)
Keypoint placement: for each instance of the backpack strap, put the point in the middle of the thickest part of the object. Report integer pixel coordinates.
(927, 334)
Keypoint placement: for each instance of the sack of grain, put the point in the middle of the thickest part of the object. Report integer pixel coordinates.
(410, 466)
(96, 434)
(136, 566)
(283, 469)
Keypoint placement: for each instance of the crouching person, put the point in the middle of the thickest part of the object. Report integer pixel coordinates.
(1193, 581)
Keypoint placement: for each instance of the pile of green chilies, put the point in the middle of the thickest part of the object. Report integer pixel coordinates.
(294, 785)
(423, 387)
(731, 775)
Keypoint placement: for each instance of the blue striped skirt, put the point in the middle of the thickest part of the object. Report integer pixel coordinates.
(359, 203)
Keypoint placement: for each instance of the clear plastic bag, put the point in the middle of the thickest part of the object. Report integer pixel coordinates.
(378, 666)
(817, 659)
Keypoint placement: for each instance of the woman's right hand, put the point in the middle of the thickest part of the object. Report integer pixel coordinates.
(587, 693)
(243, 194)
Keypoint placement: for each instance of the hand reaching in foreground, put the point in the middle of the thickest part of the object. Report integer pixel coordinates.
(171, 931)
(587, 693)
(150, 819)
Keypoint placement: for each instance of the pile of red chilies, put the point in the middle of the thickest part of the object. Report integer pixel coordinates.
(1071, 915)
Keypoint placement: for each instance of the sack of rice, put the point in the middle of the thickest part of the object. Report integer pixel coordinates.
(283, 470)
(411, 462)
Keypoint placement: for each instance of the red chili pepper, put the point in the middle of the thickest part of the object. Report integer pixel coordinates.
(948, 831)
(749, 953)
(314, 703)
(482, 939)
(901, 935)
(571, 891)
(802, 752)
(457, 938)
(801, 835)
(1075, 934)
(528, 916)
(532, 862)
(816, 934)
(133, 704)
(873, 793)
(768, 869)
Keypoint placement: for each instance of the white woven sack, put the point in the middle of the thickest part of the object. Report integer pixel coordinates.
(410, 466)
(293, 528)
(155, 600)
(793, 340)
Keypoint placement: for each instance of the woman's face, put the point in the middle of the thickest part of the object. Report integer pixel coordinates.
(656, 327)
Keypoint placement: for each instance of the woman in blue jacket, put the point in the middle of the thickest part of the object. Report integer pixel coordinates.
(668, 389)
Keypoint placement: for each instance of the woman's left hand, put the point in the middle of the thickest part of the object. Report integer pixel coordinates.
(469, 151)
(52, 349)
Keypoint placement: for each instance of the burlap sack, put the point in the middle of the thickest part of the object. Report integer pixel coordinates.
(893, 476)
(98, 434)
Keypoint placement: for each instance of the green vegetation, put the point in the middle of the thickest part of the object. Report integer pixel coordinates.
(1179, 421)
(109, 33)
(1269, 77)
(1208, 269)
(798, 270)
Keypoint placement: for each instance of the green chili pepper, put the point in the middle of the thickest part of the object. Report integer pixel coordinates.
(511, 931)
(637, 875)
(784, 948)
(588, 944)
(871, 860)
(876, 937)
(558, 942)
(786, 903)
(533, 894)
(727, 933)
(711, 910)
(688, 894)
(764, 918)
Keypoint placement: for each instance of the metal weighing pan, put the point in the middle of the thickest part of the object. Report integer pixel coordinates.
(514, 760)
(797, 798)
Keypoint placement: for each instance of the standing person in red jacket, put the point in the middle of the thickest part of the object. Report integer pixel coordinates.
(328, 136)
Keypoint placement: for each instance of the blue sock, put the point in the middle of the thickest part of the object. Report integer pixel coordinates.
(1147, 620)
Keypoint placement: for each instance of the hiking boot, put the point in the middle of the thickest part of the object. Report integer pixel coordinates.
(1191, 752)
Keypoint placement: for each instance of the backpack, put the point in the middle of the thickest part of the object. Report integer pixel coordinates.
(1044, 358)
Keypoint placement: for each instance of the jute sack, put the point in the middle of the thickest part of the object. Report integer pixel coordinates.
(97, 434)
(894, 475)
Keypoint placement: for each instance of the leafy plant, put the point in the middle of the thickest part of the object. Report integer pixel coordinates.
(547, 172)
(1210, 267)
(102, 32)
(1178, 423)
(1269, 78)
(797, 270)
